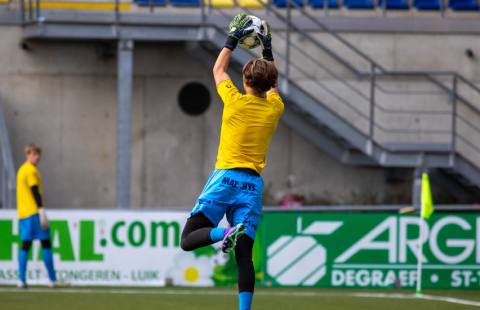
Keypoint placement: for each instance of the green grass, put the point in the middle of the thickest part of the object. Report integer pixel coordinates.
(103, 298)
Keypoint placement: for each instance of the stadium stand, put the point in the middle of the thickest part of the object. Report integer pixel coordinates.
(395, 4)
(82, 5)
(184, 2)
(421, 5)
(283, 3)
(251, 4)
(427, 4)
(463, 5)
(358, 4)
(154, 2)
(332, 4)
(223, 3)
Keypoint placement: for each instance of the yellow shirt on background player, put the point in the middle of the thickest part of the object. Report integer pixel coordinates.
(27, 177)
(248, 124)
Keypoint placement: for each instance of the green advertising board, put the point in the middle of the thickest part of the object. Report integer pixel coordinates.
(370, 250)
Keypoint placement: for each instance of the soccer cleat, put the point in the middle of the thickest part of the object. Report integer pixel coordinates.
(231, 236)
(22, 285)
(58, 283)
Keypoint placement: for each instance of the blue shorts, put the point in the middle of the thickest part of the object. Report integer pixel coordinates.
(234, 193)
(30, 229)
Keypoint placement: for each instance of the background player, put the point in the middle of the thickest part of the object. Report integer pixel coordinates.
(33, 222)
(235, 187)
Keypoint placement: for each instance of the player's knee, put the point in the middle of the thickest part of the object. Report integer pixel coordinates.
(46, 244)
(185, 245)
(26, 245)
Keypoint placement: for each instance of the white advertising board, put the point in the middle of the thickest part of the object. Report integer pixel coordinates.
(103, 247)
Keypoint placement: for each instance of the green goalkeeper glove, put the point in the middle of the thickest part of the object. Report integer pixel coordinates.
(238, 29)
(266, 42)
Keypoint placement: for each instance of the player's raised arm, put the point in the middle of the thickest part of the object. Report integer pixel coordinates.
(238, 29)
(267, 54)
(221, 65)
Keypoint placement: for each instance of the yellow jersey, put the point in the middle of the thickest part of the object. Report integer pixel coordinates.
(248, 124)
(27, 177)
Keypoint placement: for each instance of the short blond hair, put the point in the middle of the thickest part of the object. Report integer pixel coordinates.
(32, 147)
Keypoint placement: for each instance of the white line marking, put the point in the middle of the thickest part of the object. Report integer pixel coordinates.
(453, 300)
(399, 266)
(373, 266)
(261, 293)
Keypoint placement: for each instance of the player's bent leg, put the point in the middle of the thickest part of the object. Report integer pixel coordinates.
(231, 236)
(246, 272)
(22, 263)
(199, 232)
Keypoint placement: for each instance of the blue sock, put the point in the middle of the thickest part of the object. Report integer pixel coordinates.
(48, 260)
(245, 300)
(216, 234)
(22, 265)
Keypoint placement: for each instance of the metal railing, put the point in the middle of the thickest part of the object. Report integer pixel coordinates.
(8, 183)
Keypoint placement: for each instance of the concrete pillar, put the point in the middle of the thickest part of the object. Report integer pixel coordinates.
(124, 122)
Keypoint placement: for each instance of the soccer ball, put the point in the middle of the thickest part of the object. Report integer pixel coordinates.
(251, 41)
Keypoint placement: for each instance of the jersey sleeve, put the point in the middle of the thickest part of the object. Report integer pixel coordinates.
(31, 178)
(37, 196)
(277, 100)
(228, 92)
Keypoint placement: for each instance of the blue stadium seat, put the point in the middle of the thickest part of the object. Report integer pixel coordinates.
(147, 2)
(427, 4)
(463, 5)
(395, 4)
(283, 3)
(318, 4)
(185, 2)
(358, 4)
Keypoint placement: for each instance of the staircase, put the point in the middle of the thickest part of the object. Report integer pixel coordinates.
(362, 114)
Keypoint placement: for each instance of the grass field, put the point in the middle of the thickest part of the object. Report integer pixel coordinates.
(102, 298)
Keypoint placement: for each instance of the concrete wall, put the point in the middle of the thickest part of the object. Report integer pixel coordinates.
(61, 96)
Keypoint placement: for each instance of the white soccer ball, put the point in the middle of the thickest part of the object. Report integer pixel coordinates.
(251, 41)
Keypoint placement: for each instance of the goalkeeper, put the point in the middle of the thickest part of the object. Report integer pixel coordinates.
(235, 186)
(33, 222)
